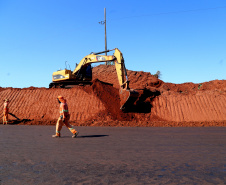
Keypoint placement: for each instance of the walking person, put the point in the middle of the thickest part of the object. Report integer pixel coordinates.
(64, 118)
(5, 112)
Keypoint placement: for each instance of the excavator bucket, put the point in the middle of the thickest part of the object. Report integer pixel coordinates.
(127, 98)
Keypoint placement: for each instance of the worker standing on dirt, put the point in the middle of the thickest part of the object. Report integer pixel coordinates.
(64, 118)
(5, 112)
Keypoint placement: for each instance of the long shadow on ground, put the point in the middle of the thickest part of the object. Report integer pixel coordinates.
(92, 136)
(86, 136)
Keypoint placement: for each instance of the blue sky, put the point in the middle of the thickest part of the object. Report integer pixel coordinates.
(184, 39)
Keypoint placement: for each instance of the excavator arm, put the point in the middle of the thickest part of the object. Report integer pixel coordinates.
(121, 69)
(127, 95)
(117, 58)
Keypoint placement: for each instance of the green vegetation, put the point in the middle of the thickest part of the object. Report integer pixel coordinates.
(200, 85)
(157, 74)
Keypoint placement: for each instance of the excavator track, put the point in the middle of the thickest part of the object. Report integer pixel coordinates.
(68, 84)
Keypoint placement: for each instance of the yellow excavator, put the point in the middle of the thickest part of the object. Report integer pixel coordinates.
(82, 74)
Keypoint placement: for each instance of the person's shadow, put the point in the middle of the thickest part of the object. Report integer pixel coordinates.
(17, 121)
(87, 136)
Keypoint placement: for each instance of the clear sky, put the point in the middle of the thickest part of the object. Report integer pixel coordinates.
(183, 39)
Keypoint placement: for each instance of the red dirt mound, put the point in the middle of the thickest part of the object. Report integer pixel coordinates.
(138, 79)
(159, 103)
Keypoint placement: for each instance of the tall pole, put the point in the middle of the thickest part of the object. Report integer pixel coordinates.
(105, 31)
(104, 22)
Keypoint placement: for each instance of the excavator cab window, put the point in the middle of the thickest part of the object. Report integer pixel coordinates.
(86, 73)
(89, 71)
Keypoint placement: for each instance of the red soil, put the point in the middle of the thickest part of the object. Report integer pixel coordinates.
(159, 103)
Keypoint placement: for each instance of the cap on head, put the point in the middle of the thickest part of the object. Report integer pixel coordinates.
(61, 99)
(6, 100)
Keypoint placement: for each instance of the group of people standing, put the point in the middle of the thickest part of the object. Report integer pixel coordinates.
(62, 120)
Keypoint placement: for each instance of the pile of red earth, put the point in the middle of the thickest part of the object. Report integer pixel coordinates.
(159, 103)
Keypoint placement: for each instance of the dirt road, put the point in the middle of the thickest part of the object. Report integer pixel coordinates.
(112, 155)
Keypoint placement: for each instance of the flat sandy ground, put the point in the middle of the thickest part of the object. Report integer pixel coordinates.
(112, 155)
